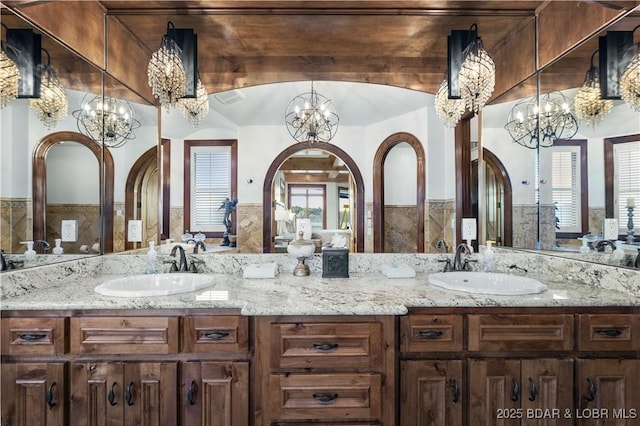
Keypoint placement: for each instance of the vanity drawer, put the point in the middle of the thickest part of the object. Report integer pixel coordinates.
(497, 332)
(431, 333)
(33, 336)
(215, 334)
(326, 345)
(325, 396)
(124, 335)
(608, 332)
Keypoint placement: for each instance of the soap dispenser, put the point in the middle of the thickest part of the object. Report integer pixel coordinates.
(152, 259)
(30, 253)
(489, 259)
(58, 248)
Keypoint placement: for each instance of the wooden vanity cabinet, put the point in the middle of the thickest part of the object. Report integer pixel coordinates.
(338, 370)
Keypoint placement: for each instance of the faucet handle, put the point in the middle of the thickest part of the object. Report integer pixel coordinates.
(447, 266)
(174, 265)
(465, 266)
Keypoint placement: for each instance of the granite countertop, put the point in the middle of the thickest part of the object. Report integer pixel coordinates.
(361, 294)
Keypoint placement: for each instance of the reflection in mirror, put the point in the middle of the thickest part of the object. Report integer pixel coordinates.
(25, 195)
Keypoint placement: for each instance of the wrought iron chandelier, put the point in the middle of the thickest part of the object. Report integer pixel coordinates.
(52, 106)
(311, 117)
(9, 76)
(448, 110)
(588, 103)
(107, 120)
(630, 80)
(535, 123)
(195, 109)
(477, 74)
(166, 72)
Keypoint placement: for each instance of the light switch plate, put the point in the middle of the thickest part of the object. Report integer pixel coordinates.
(610, 229)
(469, 228)
(134, 231)
(69, 230)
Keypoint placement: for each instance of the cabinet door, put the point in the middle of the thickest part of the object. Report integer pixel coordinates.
(33, 394)
(494, 392)
(96, 394)
(431, 393)
(215, 393)
(608, 392)
(150, 393)
(118, 393)
(547, 391)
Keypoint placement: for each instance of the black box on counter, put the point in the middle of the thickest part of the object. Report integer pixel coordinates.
(335, 262)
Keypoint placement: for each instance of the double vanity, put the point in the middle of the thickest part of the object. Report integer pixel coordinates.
(363, 350)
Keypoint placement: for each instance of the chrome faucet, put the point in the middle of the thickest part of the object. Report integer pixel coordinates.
(182, 265)
(200, 244)
(45, 245)
(458, 265)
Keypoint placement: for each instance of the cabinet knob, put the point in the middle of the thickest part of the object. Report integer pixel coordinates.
(111, 396)
(50, 402)
(128, 395)
(31, 337)
(430, 334)
(216, 335)
(325, 397)
(191, 394)
(609, 332)
(325, 347)
(533, 390)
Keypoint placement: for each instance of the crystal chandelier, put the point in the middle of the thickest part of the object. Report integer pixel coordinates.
(109, 120)
(588, 103)
(52, 105)
(195, 109)
(9, 76)
(477, 74)
(166, 73)
(535, 123)
(311, 117)
(630, 81)
(448, 110)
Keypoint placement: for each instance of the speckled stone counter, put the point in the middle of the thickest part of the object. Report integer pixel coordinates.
(70, 286)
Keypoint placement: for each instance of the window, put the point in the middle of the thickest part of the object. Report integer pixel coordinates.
(622, 178)
(209, 178)
(569, 187)
(309, 201)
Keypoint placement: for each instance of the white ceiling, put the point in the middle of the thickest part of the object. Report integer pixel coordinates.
(357, 104)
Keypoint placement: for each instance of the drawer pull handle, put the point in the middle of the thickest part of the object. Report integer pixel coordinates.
(31, 337)
(456, 390)
(50, 402)
(216, 335)
(430, 334)
(128, 394)
(111, 397)
(609, 332)
(533, 390)
(191, 394)
(325, 398)
(515, 395)
(325, 347)
(592, 391)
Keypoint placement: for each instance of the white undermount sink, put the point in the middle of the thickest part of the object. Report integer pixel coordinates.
(153, 285)
(487, 283)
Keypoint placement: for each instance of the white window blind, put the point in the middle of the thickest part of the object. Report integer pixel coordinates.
(566, 189)
(627, 181)
(210, 185)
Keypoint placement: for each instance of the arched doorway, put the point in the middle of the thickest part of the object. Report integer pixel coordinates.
(267, 195)
(40, 184)
(141, 196)
(378, 188)
(498, 202)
